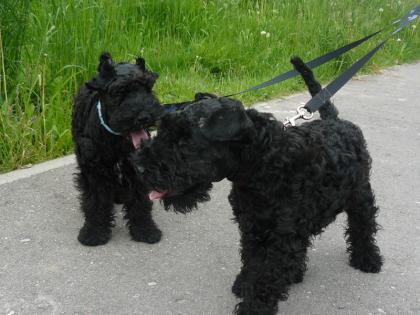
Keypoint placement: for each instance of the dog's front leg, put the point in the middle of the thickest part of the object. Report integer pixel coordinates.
(271, 264)
(140, 222)
(97, 205)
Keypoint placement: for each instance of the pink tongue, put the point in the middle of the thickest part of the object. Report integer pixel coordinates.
(154, 195)
(138, 136)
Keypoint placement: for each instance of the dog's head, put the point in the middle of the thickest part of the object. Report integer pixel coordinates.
(192, 149)
(128, 104)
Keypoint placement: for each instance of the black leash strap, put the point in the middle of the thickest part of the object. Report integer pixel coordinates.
(334, 86)
(311, 64)
(331, 55)
(326, 93)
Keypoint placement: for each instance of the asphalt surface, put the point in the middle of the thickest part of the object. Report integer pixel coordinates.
(44, 270)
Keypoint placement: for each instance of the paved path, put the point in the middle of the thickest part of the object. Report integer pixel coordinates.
(44, 270)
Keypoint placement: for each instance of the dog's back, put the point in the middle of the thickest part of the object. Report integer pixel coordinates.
(327, 110)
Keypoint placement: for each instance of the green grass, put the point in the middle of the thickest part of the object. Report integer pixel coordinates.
(48, 48)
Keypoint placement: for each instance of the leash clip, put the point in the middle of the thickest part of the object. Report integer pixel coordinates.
(302, 113)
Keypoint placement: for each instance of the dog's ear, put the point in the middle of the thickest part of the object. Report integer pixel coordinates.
(229, 122)
(106, 66)
(141, 63)
(149, 79)
(203, 95)
(106, 73)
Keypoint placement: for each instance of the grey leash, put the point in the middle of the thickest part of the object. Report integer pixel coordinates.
(328, 56)
(306, 111)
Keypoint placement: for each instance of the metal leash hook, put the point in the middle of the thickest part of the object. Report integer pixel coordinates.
(302, 113)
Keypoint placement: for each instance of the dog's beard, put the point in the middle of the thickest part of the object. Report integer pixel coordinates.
(188, 200)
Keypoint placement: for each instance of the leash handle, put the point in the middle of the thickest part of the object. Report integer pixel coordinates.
(326, 93)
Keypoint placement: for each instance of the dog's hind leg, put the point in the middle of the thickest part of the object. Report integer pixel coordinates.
(140, 222)
(97, 205)
(362, 227)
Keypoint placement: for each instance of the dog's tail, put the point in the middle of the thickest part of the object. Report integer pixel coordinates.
(327, 110)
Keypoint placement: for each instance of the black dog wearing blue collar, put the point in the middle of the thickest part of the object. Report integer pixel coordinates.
(112, 114)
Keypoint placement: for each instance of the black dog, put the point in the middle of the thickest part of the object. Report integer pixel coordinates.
(110, 119)
(288, 185)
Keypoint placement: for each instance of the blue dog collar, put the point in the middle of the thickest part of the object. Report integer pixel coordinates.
(101, 118)
(171, 108)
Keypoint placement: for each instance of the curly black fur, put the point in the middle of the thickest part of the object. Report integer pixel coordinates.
(190, 198)
(288, 185)
(105, 177)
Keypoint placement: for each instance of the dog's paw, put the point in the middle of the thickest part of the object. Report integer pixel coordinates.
(91, 236)
(148, 235)
(367, 263)
(255, 309)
